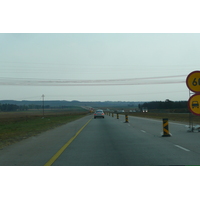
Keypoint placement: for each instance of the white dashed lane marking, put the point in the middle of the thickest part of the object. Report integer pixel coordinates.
(182, 148)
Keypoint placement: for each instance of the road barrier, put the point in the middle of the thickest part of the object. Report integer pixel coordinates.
(126, 119)
(166, 132)
(166, 128)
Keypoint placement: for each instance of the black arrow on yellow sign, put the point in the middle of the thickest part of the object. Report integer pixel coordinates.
(166, 128)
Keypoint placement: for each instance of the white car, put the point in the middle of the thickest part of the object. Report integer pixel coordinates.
(99, 113)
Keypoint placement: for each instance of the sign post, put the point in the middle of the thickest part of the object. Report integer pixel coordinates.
(194, 104)
(193, 83)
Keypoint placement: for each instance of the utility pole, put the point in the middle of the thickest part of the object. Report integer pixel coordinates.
(43, 104)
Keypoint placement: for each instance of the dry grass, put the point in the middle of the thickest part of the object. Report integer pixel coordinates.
(16, 126)
(178, 117)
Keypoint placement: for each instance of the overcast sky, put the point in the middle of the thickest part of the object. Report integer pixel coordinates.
(98, 66)
(92, 67)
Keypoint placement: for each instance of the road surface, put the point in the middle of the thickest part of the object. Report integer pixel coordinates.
(107, 142)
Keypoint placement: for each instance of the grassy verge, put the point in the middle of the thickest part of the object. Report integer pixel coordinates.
(178, 117)
(17, 127)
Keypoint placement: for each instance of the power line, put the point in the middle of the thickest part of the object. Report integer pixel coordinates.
(96, 82)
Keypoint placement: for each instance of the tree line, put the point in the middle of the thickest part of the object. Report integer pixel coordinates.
(12, 107)
(167, 104)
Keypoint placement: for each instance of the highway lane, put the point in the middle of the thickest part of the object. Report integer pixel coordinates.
(111, 142)
(107, 142)
(181, 138)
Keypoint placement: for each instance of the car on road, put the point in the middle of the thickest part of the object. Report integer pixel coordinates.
(120, 111)
(99, 113)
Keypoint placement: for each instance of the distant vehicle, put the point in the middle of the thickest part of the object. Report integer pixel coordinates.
(120, 111)
(144, 110)
(99, 113)
(195, 104)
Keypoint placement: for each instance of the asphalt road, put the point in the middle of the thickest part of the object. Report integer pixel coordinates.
(107, 142)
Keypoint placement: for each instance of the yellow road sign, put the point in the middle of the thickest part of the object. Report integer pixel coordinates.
(193, 81)
(194, 104)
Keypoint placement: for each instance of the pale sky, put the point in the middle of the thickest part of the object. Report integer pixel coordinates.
(103, 66)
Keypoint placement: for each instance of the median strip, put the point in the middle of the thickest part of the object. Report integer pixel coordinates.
(55, 157)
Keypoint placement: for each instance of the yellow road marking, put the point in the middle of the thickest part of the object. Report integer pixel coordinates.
(55, 157)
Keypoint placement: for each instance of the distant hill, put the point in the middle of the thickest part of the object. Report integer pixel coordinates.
(58, 103)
